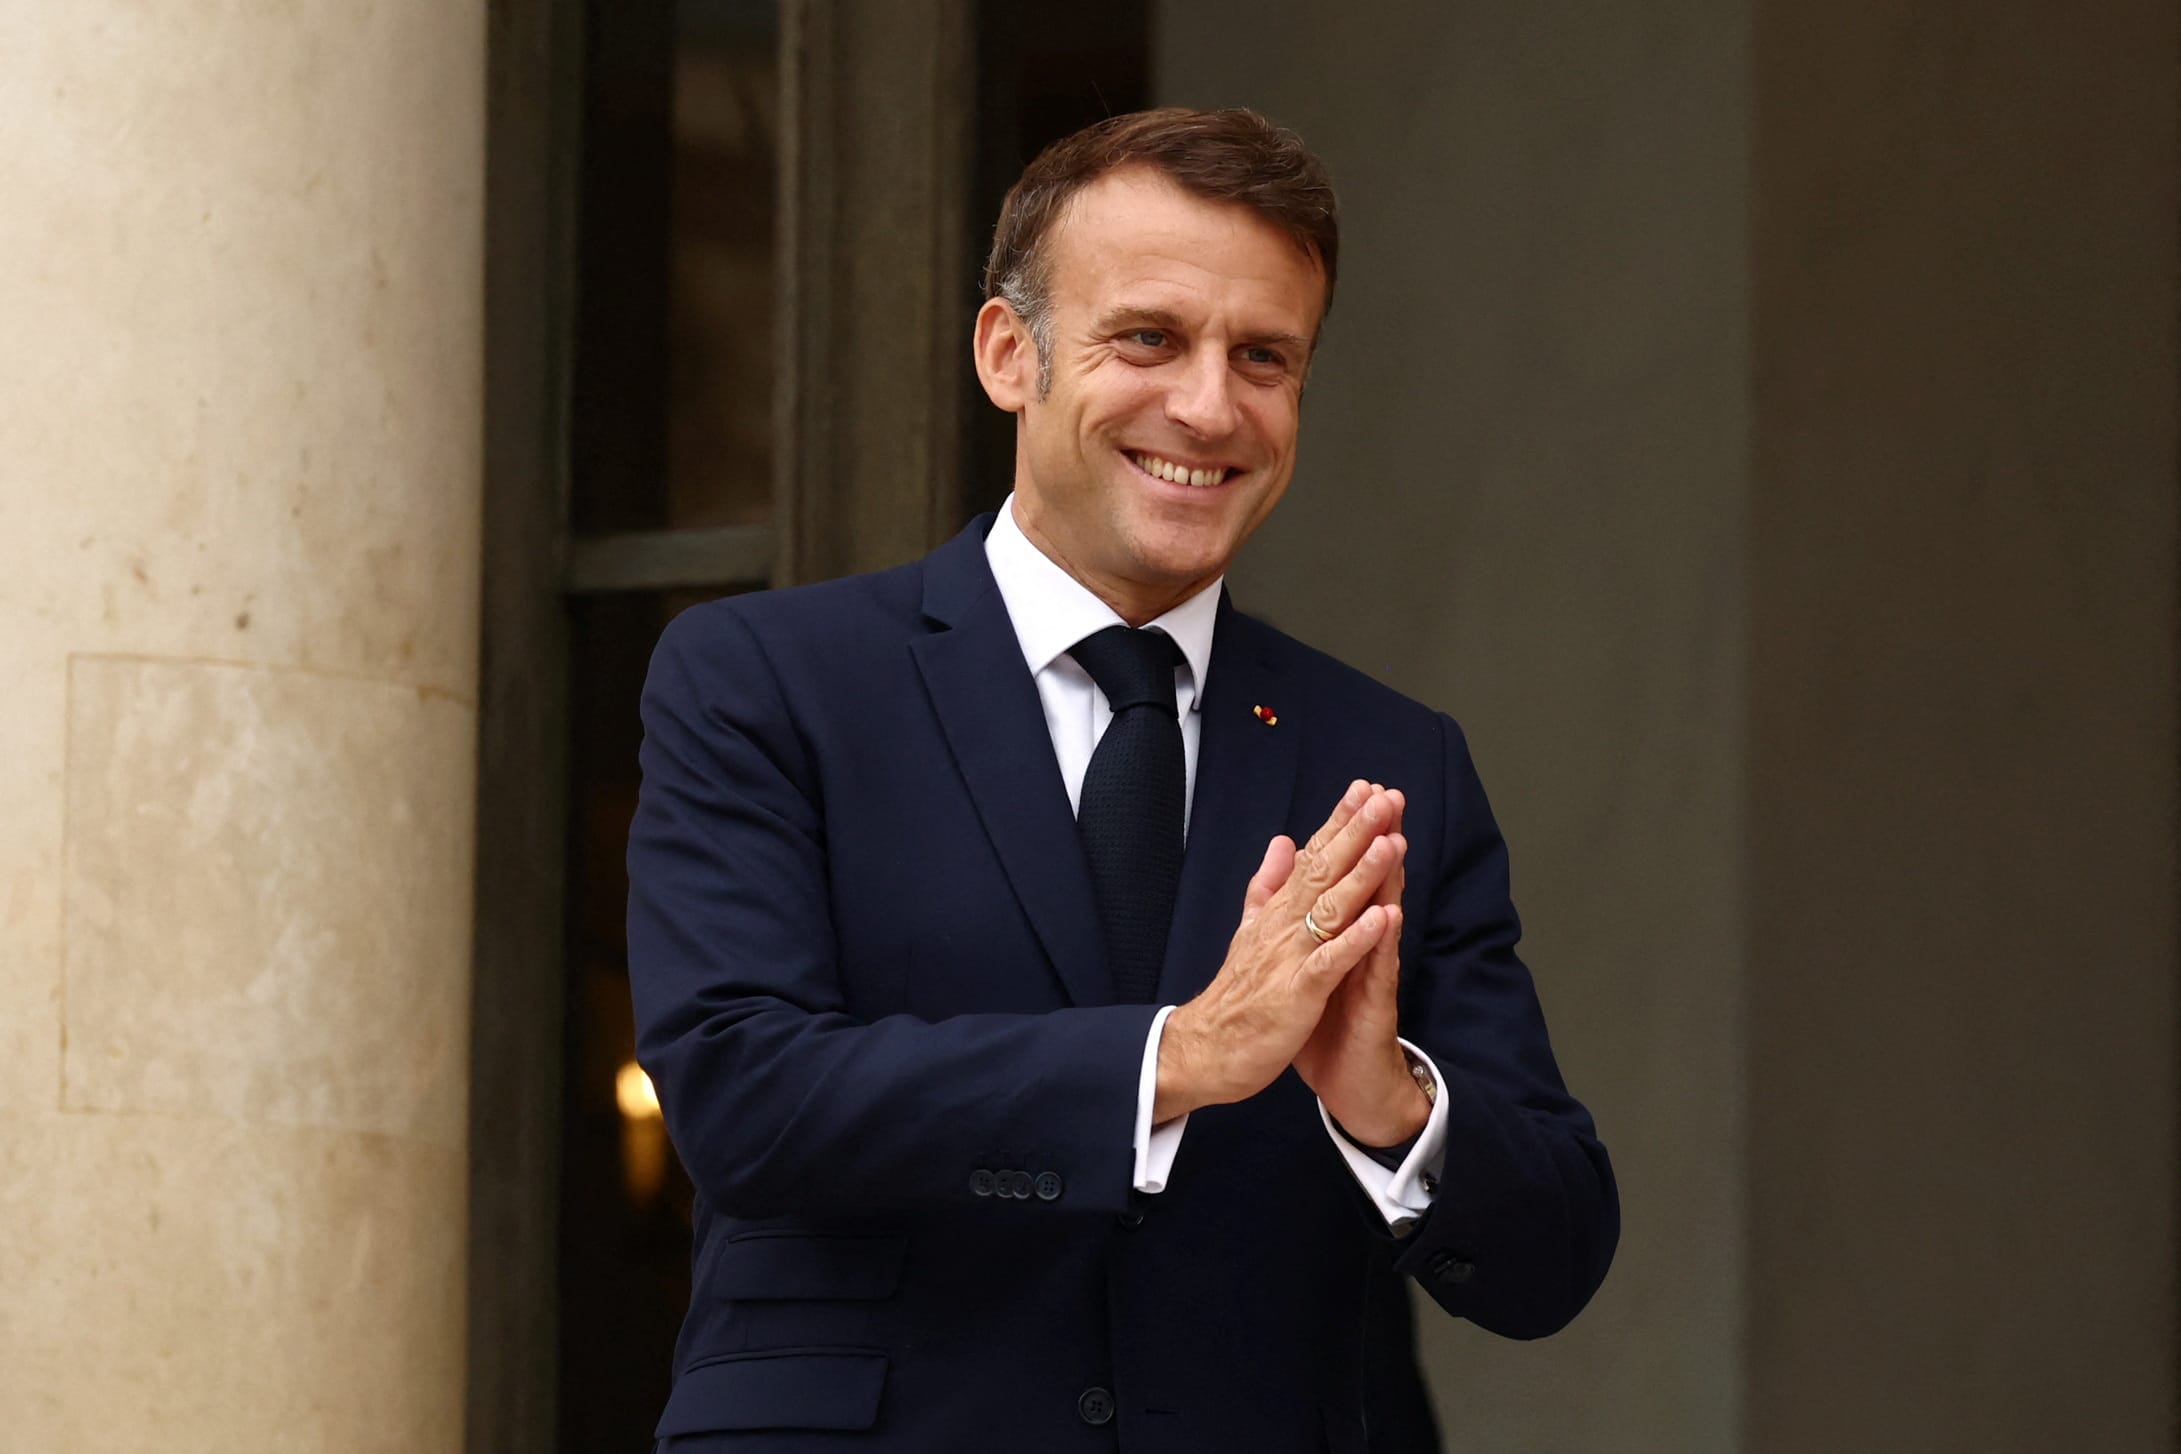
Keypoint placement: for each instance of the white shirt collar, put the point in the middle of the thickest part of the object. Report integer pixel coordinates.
(1052, 610)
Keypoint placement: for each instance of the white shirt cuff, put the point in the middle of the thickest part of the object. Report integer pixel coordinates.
(1403, 1194)
(1155, 1145)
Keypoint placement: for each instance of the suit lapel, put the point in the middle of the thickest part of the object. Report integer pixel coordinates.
(988, 707)
(1245, 783)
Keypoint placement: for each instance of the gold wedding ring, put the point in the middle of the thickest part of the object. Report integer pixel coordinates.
(1310, 922)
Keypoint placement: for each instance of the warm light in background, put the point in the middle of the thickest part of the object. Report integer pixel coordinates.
(643, 1134)
(632, 1088)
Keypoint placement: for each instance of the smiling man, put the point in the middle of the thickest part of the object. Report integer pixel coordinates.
(1153, 350)
(1040, 1091)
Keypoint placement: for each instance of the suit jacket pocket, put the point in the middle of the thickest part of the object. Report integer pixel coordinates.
(777, 1388)
(803, 1266)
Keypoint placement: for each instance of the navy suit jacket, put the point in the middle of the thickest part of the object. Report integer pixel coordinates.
(870, 988)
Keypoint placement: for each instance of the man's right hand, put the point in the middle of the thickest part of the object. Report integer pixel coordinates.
(1235, 1038)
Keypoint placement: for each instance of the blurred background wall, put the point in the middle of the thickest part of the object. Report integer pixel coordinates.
(1756, 422)
(1524, 498)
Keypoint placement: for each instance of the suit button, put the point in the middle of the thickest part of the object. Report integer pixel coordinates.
(1021, 1184)
(1129, 1221)
(1049, 1186)
(982, 1182)
(1447, 1267)
(1095, 1406)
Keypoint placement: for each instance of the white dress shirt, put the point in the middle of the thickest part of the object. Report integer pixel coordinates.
(1051, 612)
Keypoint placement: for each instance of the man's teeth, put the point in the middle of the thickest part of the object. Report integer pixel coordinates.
(1165, 469)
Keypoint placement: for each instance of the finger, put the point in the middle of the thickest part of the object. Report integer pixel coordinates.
(1397, 801)
(1382, 967)
(1320, 868)
(1389, 890)
(1358, 792)
(1373, 988)
(1369, 990)
(1325, 967)
(1278, 864)
(1336, 906)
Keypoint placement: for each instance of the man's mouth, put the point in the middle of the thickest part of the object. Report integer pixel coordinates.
(1180, 474)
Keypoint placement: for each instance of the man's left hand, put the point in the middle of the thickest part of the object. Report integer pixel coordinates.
(1352, 1061)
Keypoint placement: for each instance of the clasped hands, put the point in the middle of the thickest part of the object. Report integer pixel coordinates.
(1284, 998)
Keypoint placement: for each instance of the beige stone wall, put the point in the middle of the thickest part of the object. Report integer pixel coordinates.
(240, 268)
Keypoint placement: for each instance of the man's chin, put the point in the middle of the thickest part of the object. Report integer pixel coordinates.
(1181, 574)
(1191, 552)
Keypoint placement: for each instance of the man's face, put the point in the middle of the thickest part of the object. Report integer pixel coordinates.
(1180, 334)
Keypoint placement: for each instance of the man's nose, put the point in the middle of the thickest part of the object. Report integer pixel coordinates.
(1202, 397)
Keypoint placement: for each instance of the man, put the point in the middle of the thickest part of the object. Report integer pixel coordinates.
(1040, 1091)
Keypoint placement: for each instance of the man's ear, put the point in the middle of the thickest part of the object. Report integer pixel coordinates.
(1007, 362)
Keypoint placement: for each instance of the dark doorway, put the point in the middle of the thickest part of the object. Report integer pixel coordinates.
(674, 495)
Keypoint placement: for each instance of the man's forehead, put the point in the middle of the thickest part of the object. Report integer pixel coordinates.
(1134, 238)
(1141, 201)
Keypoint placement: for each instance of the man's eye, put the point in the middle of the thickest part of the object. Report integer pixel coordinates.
(1149, 337)
(1259, 355)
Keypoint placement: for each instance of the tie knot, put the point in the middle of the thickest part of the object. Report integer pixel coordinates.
(1133, 668)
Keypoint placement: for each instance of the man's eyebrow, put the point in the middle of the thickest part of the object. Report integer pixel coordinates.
(1116, 320)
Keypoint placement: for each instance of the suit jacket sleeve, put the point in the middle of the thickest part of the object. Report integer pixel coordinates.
(1526, 1216)
(779, 1099)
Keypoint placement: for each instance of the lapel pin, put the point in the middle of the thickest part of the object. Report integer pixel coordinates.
(1266, 715)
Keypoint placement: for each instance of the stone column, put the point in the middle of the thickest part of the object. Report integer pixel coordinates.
(875, 306)
(240, 265)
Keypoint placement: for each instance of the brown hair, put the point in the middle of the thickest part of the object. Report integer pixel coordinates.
(1233, 156)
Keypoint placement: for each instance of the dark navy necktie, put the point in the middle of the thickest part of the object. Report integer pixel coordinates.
(1130, 814)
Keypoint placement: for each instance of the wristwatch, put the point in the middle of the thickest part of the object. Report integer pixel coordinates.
(1421, 1073)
